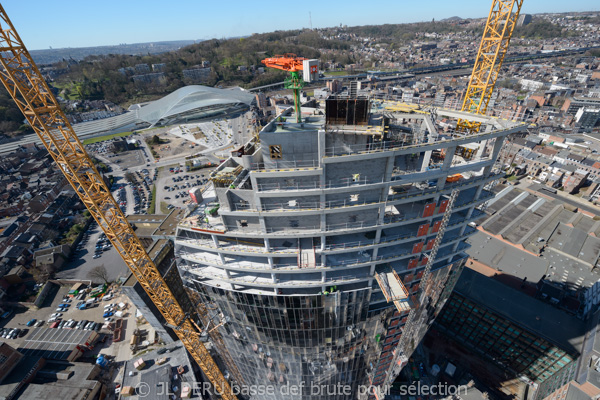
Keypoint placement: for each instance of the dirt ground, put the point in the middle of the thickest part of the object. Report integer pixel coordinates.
(173, 146)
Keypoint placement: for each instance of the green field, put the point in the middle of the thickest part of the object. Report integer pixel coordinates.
(106, 137)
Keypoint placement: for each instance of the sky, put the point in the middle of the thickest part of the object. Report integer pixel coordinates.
(82, 23)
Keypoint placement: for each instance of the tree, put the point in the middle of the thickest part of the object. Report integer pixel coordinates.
(99, 272)
(155, 140)
(129, 177)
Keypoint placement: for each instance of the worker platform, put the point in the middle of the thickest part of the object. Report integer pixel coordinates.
(394, 290)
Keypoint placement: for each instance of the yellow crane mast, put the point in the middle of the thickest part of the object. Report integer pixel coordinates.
(26, 86)
(498, 30)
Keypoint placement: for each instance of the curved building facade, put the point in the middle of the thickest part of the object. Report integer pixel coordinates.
(191, 103)
(303, 222)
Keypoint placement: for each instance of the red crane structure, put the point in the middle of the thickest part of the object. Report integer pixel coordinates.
(294, 64)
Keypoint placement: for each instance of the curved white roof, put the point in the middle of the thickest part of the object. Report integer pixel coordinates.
(189, 98)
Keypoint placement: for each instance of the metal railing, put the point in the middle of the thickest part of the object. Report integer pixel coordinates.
(229, 246)
(255, 281)
(451, 135)
(344, 182)
(307, 206)
(285, 165)
(286, 231)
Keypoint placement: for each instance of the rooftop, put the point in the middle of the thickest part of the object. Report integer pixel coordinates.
(556, 326)
(146, 225)
(155, 374)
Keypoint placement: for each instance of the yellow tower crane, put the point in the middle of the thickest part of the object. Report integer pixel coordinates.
(498, 30)
(26, 86)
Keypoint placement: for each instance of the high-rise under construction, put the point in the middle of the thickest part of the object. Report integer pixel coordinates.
(311, 251)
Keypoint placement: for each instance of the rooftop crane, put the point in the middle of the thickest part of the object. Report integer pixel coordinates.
(31, 93)
(294, 64)
(498, 30)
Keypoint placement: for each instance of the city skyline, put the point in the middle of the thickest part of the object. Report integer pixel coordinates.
(82, 24)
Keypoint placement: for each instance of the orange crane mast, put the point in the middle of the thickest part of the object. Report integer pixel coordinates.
(31, 93)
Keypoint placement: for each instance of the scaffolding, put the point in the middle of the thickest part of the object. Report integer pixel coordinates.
(394, 291)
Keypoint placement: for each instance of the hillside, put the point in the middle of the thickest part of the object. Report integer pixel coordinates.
(236, 61)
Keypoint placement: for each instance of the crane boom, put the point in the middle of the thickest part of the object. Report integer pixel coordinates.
(294, 64)
(498, 30)
(26, 86)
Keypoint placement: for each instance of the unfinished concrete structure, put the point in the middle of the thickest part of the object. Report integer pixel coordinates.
(301, 221)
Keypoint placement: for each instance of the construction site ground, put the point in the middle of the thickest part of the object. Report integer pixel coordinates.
(173, 146)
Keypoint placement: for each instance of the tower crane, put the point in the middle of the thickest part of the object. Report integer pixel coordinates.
(492, 50)
(25, 84)
(498, 30)
(294, 64)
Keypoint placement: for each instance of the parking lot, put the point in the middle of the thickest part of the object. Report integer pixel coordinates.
(84, 258)
(129, 159)
(119, 350)
(173, 188)
(21, 317)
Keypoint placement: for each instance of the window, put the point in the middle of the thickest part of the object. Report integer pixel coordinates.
(275, 151)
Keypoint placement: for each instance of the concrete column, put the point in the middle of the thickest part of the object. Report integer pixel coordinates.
(446, 166)
(495, 151)
(267, 244)
(270, 260)
(389, 168)
(215, 240)
(477, 195)
(381, 213)
(321, 139)
(426, 159)
(273, 278)
(263, 225)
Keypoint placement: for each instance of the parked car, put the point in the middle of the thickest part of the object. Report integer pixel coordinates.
(107, 314)
(31, 322)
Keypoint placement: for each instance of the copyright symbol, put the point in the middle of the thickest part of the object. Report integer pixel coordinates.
(143, 389)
